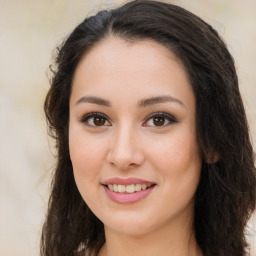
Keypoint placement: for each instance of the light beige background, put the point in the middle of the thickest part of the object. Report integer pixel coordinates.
(29, 32)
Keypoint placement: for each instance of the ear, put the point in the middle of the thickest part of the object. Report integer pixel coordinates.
(212, 158)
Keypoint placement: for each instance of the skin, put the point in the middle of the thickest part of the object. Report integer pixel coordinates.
(129, 142)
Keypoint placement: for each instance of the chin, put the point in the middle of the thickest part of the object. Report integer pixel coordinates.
(130, 224)
(129, 228)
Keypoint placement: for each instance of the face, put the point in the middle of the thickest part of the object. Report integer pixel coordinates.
(132, 136)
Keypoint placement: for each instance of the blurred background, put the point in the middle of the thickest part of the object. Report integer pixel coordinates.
(30, 30)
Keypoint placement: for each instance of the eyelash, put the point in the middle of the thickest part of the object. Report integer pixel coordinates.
(85, 119)
(171, 119)
(162, 115)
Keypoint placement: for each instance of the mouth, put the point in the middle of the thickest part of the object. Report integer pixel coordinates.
(131, 188)
(127, 191)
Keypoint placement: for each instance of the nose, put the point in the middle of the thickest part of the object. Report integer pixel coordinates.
(124, 151)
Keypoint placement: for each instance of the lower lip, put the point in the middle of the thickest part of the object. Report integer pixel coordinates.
(128, 198)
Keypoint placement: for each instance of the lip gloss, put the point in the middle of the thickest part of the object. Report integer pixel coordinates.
(127, 198)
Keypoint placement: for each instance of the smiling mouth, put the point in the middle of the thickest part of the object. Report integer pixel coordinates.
(131, 188)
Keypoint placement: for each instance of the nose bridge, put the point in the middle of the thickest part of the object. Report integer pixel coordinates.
(124, 151)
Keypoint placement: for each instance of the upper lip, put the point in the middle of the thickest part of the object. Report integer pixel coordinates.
(127, 181)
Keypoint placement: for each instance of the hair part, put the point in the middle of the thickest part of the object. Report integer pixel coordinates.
(225, 198)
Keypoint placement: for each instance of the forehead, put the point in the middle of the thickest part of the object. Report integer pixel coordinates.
(142, 68)
(115, 51)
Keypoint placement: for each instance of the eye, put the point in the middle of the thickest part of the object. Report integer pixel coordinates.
(159, 120)
(95, 119)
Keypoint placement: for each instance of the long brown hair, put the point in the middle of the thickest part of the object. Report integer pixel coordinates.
(225, 198)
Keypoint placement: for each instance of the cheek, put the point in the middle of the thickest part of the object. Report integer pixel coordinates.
(178, 160)
(87, 157)
(84, 150)
(85, 167)
(176, 150)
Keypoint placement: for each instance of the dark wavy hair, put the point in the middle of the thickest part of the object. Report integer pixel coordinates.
(225, 198)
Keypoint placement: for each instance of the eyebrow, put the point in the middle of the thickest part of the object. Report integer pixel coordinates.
(158, 100)
(94, 100)
(141, 103)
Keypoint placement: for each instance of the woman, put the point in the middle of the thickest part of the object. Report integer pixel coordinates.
(154, 155)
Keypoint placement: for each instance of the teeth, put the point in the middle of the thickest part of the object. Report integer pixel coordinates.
(130, 188)
(121, 188)
(143, 186)
(127, 189)
(138, 187)
(115, 187)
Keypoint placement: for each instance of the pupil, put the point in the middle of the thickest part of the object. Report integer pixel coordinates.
(158, 121)
(99, 121)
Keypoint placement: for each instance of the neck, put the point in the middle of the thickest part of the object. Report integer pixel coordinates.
(169, 240)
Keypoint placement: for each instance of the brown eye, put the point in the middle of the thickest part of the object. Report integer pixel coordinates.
(159, 121)
(95, 120)
(99, 121)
